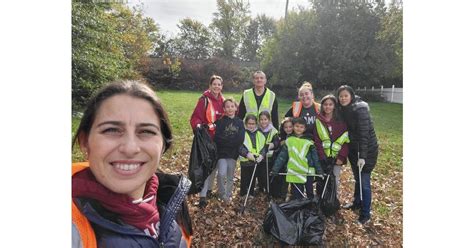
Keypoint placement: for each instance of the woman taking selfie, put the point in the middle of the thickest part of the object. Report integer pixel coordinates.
(118, 197)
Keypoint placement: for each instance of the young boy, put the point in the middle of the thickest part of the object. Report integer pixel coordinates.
(230, 133)
(302, 158)
(253, 150)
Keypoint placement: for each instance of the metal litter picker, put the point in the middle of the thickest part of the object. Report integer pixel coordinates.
(249, 187)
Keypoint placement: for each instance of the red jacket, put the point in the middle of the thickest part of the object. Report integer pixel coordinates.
(337, 129)
(199, 115)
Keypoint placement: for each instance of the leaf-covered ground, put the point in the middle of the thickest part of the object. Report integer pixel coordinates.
(218, 225)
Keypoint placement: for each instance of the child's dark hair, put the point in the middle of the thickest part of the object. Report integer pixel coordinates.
(250, 117)
(282, 127)
(265, 113)
(299, 120)
(335, 114)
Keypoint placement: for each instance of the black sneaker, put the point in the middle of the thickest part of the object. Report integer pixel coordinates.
(351, 206)
(202, 202)
(363, 220)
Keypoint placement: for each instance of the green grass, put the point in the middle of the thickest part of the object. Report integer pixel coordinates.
(388, 119)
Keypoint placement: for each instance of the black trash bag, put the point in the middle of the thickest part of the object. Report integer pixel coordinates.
(202, 160)
(297, 222)
(329, 202)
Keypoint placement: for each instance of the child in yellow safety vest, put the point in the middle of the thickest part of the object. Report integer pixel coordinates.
(299, 153)
(271, 141)
(251, 152)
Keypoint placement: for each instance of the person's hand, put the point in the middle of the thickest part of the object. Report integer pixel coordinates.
(338, 162)
(271, 146)
(361, 163)
(198, 126)
(273, 173)
(250, 156)
(259, 158)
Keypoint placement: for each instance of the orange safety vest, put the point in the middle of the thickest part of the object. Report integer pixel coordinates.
(298, 106)
(82, 223)
(210, 113)
(78, 219)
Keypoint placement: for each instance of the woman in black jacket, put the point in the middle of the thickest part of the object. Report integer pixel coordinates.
(363, 147)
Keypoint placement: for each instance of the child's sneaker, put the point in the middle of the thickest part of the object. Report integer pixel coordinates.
(363, 220)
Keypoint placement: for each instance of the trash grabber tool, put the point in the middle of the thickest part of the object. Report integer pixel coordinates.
(325, 185)
(360, 178)
(249, 187)
(303, 194)
(266, 172)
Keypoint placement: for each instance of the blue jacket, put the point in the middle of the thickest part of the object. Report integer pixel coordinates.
(174, 219)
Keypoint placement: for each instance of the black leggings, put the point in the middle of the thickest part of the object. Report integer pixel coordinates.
(246, 171)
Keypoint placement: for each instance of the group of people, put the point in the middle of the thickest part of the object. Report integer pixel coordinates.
(120, 197)
(312, 141)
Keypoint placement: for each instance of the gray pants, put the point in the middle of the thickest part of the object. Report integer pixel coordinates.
(208, 183)
(225, 177)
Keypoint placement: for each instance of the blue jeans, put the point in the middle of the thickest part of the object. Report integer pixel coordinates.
(366, 191)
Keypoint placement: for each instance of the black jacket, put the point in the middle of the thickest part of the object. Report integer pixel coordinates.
(361, 132)
(230, 134)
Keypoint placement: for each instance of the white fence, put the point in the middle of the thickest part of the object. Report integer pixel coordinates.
(390, 94)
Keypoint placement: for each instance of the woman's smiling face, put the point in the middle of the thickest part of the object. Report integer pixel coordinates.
(124, 145)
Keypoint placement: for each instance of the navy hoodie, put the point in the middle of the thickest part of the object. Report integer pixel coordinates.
(230, 134)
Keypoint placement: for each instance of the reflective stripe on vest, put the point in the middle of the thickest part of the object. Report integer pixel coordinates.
(260, 142)
(298, 106)
(79, 220)
(270, 135)
(251, 103)
(330, 149)
(298, 163)
(210, 114)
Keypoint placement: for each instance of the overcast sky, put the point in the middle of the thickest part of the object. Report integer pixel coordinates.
(167, 13)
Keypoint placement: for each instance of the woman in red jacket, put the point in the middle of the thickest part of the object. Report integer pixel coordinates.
(331, 141)
(209, 109)
(210, 106)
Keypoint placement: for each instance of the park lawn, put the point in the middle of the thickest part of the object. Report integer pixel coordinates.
(387, 179)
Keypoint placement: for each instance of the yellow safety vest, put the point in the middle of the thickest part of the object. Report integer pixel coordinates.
(255, 150)
(251, 103)
(297, 162)
(331, 149)
(270, 136)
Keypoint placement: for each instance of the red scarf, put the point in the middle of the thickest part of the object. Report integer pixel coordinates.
(143, 216)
